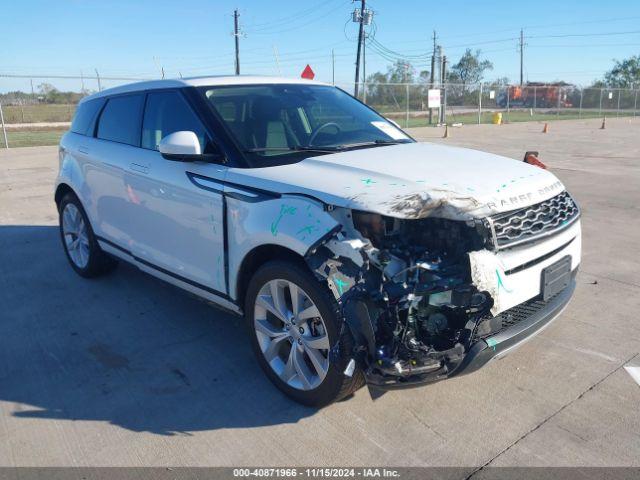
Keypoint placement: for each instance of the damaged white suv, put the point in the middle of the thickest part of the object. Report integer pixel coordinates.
(356, 254)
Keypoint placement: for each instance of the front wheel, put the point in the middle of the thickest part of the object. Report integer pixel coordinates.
(297, 335)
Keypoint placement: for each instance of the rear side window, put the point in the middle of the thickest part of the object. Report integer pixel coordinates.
(85, 114)
(120, 119)
(165, 113)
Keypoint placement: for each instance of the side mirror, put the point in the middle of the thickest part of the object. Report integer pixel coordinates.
(184, 146)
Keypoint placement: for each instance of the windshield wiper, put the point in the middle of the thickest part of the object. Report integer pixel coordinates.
(374, 143)
(297, 148)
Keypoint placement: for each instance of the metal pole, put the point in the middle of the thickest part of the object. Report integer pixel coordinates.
(600, 111)
(443, 112)
(277, 57)
(618, 111)
(4, 130)
(333, 67)
(580, 111)
(236, 35)
(479, 104)
(98, 77)
(521, 57)
(406, 123)
(360, 38)
(433, 73)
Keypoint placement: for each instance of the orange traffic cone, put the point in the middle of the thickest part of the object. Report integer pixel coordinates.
(546, 128)
(604, 123)
(446, 131)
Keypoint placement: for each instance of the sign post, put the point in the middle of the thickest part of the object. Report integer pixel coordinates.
(4, 131)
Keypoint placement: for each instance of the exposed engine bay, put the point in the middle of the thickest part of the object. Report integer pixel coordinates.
(406, 293)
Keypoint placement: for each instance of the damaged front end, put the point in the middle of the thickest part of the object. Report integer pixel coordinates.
(406, 293)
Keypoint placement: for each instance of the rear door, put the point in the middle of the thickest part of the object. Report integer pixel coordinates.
(114, 148)
(179, 230)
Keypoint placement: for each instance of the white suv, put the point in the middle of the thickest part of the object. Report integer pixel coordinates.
(356, 254)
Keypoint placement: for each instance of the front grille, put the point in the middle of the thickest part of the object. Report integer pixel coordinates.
(530, 223)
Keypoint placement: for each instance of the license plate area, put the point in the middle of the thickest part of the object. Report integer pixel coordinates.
(556, 277)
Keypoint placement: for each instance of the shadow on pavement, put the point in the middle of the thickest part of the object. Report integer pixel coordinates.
(125, 349)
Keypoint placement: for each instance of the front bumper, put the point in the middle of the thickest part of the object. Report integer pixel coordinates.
(530, 318)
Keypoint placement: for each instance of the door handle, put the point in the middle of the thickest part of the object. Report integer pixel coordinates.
(136, 167)
(83, 150)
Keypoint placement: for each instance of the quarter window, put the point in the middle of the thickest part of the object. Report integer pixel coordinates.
(165, 113)
(120, 119)
(83, 119)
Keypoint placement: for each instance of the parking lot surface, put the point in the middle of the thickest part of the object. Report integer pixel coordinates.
(127, 371)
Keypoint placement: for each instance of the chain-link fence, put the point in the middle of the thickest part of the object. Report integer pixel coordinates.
(46, 103)
(407, 104)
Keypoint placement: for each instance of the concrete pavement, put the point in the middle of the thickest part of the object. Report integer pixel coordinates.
(128, 371)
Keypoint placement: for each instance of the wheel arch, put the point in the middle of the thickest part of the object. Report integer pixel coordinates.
(61, 190)
(257, 257)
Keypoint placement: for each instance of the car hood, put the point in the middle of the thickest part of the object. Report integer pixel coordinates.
(413, 180)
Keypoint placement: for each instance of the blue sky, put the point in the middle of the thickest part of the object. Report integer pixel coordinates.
(570, 40)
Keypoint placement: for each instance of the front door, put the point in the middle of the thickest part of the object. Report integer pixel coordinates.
(179, 227)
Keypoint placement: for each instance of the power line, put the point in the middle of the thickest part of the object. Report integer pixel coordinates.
(295, 17)
(585, 34)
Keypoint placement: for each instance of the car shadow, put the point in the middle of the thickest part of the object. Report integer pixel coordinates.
(126, 348)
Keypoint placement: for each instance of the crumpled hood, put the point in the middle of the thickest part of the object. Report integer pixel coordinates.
(413, 180)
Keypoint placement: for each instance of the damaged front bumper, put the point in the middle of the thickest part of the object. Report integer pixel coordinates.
(524, 321)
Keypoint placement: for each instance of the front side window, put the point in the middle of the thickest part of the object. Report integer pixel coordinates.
(165, 113)
(120, 119)
(275, 124)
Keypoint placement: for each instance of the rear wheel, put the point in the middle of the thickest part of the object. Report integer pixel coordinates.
(80, 245)
(297, 335)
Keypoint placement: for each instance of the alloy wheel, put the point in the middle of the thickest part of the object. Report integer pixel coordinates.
(76, 237)
(291, 334)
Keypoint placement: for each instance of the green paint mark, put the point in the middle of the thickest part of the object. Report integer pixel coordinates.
(470, 189)
(500, 283)
(504, 185)
(340, 284)
(492, 343)
(420, 181)
(368, 182)
(284, 210)
(307, 229)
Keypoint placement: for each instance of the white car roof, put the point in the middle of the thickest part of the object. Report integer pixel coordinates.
(200, 82)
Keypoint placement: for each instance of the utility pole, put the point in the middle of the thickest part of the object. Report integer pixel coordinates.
(236, 34)
(521, 57)
(333, 67)
(360, 39)
(433, 72)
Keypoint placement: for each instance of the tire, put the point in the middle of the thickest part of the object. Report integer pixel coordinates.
(335, 385)
(86, 258)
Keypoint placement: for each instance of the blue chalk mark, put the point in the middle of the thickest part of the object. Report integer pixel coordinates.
(492, 343)
(340, 284)
(500, 282)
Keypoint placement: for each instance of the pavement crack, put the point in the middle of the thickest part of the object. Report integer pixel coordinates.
(631, 284)
(424, 424)
(561, 409)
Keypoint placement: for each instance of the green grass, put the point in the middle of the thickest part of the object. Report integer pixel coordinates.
(42, 112)
(32, 138)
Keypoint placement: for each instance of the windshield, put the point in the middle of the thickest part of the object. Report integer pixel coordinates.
(275, 124)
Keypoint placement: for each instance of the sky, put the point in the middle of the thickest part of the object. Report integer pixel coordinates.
(569, 40)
